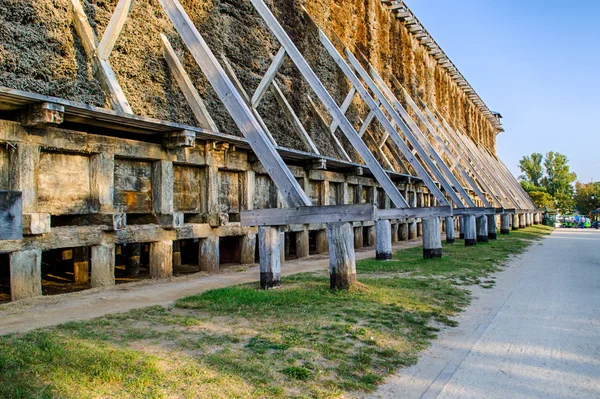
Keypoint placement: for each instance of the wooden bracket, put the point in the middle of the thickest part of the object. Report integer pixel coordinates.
(316, 164)
(42, 115)
(36, 224)
(182, 138)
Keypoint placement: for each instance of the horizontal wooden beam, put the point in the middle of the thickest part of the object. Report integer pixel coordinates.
(308, 214)
(436, 211)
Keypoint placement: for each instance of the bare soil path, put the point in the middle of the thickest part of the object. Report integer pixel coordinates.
(536, 335)
(26, 315)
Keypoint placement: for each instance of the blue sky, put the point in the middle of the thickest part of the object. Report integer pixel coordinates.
(537, 62)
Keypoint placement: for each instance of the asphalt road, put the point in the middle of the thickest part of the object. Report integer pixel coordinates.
(536, 335)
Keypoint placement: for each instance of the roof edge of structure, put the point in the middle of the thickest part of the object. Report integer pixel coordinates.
(417, 30)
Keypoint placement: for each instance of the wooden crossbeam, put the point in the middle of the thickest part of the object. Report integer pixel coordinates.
(293, 118)
(113, 29)
(187, 87)
(344, 108)
(102, 69)
(321, 119)
(428, 212)
(291, 192)
(308, 214)
(329, 103)
(266, 81)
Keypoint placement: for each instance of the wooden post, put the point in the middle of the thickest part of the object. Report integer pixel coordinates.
(25, 274)
(176, 253)
(269, 243)
(536, 218)
(342, 262)
(505, 223)
(358, 237)
(403, 233)
(522, 223)
(470, 230)
(432, 238)
(29, 163)
(492, 227)
(482, 229)
(81, 265)
(282, 247)
(103, 265)
(208, 254)
(248, 249)
(302, 250)
(383, 250)
(420, 229)
(321, 244)
(412, 230)
(515, 221)
(134, 252)
(462, 227)
(371, 236)
(161, 259)
(450, 237)
(395, 228)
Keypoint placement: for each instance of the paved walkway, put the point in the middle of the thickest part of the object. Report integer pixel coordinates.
(536, 335)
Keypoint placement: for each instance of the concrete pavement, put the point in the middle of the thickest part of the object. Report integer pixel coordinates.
(536, 335)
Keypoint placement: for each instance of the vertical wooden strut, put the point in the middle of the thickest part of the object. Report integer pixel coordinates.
(450, 237)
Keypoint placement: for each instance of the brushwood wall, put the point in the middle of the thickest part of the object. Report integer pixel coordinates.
(40, 52)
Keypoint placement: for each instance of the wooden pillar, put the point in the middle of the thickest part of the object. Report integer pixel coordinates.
(176, 253)
(462, 228)
(321, 244)
(432, 238)
(25, 274)
(161, 259)
(403, 232)
(412, 230)
(492, 227)
(208, 254)
(482, 229)
(269, 244)
(302, 249)
(282, 247)
(248, 249)
(450, 237)
(383, 250)
(470, 230)
(103, 265)
(420, 229)
(395, 228)
(515, 221)
(342, 262)
(28, 156)
(134, 252)
(81, 265)
(371, 236)
(162, 187)
(522, 223)
(536, 218)
(102, 181)
(505, 223)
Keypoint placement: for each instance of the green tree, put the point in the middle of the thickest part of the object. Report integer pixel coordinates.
(586, 196)
(558, 179)
(541, 199)
(531, 166)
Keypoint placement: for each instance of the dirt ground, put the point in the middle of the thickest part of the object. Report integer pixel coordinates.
(26, 315)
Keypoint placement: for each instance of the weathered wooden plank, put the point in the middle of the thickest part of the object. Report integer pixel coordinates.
(187, 87)
(133, 186)
(189, 189)
(342, 261)
(306, 215)
(469, 211)
(413, 212)
(268, 78)
(113, 29)
(321, 119)
(11, 210)
(293, 118)
(344, 107)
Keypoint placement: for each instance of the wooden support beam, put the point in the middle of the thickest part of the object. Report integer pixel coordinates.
(269, 77)
(11, 210)
(25, 274)
(383, 246)
(269, 247)
(113, 29)
(450, 233)
(35, 223)
(293, 119)
(187, 87)
(414, 212)
(308, 214)
(432, 238)
(344, 108)
(342, 261)
(320, 118)
(101, 67)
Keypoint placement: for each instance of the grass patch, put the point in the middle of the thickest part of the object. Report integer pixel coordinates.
(302, 341)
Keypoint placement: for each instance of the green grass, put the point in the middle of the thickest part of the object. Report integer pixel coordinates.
(302, 341)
